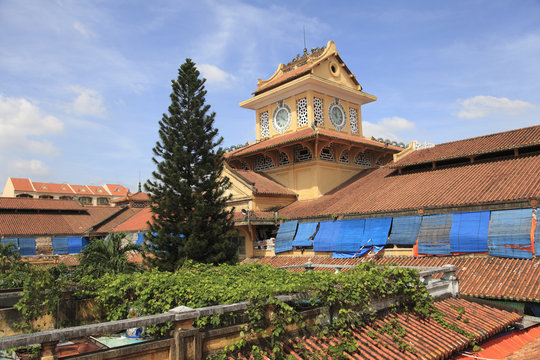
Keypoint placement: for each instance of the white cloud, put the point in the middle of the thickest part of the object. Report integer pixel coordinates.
(214, 74)
(481, 106)
(83, 30)
(89, 102)
(28, 168)
(21, 122)
(397, 123)
(388, 128)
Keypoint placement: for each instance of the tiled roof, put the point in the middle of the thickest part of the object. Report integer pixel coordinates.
(53, 223)
(110, 224)
(427, 337)
(117, 190)
(52, 188)
(263, 184)
(381, 190)
(98, 190)
(486, 277)
(304, 134)
(517, 345)
(528, 351)
(81, 190)
(138, 222)
(22, 184)
(474, 146)
(285, 77)
(238, 216)
(38, 204)
(138, 196)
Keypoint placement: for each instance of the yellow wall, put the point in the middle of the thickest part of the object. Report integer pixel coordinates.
(309, 95)
(313, 178)
(266, 203)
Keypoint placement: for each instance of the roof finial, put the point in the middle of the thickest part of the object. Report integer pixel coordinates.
(140, 189)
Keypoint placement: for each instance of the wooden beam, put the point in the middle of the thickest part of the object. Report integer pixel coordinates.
(273, 155)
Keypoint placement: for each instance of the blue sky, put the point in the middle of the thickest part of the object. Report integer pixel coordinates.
(83, 84)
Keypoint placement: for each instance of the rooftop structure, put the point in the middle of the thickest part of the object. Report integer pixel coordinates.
(84, 194)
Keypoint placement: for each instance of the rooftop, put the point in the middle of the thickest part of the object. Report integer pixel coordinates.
(507, 140)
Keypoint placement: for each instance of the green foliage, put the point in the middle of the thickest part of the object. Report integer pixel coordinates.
(13, 271)
(107, 256)
(187, 191)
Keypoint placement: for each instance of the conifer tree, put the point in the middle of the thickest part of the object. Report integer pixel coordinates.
(190, 220)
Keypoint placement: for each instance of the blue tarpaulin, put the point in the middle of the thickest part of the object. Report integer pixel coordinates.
(13, 241)
(76, 244)
(405, 230)
(376, 231)
(350, 254)
(60, 245)
(140, 239)
(510, 233)
(469, 232)
(285, 236)
(350, 236)
(27, 246)
(304, 234)
(326, 236)
(434, 235)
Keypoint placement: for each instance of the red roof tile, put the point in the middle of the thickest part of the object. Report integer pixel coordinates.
(474, 146)
(284, 78)
(22, 184)
(485, 277)
(17, 223)
(110, 224)
(98, 190)
(381, 190)
(263, 184)
(38, 204)
(117, 190)
(522, 344)
(138, 222)
(427, 337)
(304, 134)
(82, 190)
(52, 188)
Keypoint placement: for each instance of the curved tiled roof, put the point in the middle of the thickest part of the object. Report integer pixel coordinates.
(486, 277)
(307, 133)
(263, 184)
(138, 222)
(38, 204)
(507, 140)
(381, 190)
(428, 338)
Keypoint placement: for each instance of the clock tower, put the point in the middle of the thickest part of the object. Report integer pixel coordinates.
(309, 126)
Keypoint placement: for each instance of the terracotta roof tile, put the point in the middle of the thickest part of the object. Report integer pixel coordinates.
(82, 190)
(283, 78)
(381, 190)
(263, 184)
(474, 146)
(22, 184)
(38, 204)
(98, 190)
(117, 190)
(52, 188)
(485, 277)
(111, 223)
(64, 222)
(138, 222)
(307, 133)
(427, 337)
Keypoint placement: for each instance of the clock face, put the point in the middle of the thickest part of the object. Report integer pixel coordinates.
(337, 116)
(282, 118)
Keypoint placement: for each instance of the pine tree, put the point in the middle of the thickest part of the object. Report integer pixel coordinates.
(188, 194)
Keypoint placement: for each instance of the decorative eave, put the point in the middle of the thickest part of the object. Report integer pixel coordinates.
(304, 83)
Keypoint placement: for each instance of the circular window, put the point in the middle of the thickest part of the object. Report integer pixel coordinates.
(282, 118)
(336, 113)
(334, 68)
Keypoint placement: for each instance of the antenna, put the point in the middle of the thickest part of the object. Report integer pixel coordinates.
(305, 47)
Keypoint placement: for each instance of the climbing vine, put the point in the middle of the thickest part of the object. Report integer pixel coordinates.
(346, 296)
